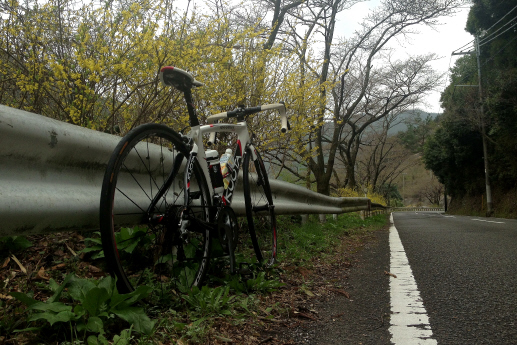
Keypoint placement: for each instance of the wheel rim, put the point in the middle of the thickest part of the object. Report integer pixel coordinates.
(259, 211)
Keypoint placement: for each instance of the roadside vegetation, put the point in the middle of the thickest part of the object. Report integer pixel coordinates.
(95, 64)
(475, 142)
(53, 290)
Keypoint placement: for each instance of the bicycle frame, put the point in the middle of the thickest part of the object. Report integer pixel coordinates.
(198, 152)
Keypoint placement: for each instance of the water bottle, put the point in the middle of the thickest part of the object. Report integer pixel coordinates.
(214, 169)
(227, 166)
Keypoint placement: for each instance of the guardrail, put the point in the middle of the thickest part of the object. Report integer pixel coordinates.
(417, 209)
(51, 174)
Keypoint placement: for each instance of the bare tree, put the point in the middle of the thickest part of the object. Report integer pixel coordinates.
(366, 94)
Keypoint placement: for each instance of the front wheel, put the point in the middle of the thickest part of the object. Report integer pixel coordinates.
(141, 203)
(260, 212)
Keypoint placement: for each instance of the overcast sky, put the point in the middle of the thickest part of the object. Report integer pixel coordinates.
(446, 38)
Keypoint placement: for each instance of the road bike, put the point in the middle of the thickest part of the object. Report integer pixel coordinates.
(163, 213)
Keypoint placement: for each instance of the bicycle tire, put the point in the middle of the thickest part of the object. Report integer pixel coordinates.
(260, 212)
(141, 198)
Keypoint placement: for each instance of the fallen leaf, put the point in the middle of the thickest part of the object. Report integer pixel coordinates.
(5, 297)
(41, 274)
(265, 340)
(390, 274)
(6, 262)
(339, 291)
(223, 339)
(19, 264)
(94, 269)
(307, 316)
(71, 250)
(58, 266)
(308, 292)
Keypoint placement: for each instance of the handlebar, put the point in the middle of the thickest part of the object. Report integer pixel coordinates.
(284, 123)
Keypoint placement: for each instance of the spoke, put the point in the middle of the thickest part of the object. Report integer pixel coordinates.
(138, 183)
(148, 169)
(134, 203)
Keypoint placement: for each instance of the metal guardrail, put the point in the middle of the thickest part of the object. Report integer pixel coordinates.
(51, 175)
(417, 209)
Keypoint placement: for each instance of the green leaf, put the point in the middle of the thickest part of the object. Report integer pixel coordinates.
(97, 340)
(91, 249)
(124, 338)
(53, 286)
(55, 307)
(24, 298)
(95, 325)
(14, 243)
(137, 317)
(107, 283)
(94, 240)
(92, 340)
(79, 288)
(99, 255)
(21, 243)
(119, 301)
(59, 290)
(64, 316)
(79, 310)
(30, 329)
(95, 300)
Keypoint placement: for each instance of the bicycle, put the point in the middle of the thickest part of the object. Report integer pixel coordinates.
(157, 228)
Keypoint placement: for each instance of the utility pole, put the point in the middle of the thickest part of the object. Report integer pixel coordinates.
(404, 189)
(489, 204)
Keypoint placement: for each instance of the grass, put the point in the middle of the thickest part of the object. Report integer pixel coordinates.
(238, 309)
(504, 203)
(300, 243)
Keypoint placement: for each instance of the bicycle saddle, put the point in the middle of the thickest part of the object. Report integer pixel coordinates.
(178, 78)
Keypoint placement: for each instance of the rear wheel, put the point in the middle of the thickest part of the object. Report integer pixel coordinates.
(141, 203)
(260, 212)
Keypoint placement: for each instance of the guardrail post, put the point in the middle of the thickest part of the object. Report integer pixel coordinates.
(305, 219)
(334, 216)
(323, 218)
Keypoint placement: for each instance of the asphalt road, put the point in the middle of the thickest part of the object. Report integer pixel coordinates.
(466, 271)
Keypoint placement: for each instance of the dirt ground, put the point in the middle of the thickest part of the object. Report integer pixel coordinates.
(346, 302)
(343, 299)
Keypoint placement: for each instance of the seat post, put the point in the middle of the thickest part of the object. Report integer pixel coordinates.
(193, 120)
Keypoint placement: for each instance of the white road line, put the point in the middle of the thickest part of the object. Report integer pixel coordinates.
(488, 221)
(409, 320)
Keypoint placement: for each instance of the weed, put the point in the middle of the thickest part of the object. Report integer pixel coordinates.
(12, 244)
(127, 239)
(258, 284)
(96, 305)
(214, 301)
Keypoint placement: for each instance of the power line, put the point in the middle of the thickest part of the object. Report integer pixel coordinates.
(498, 35)
(493, 33)
(501, 18)
(463, 46)
(500, 50)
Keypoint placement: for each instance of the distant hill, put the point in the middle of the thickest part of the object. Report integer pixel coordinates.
(409, 116)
